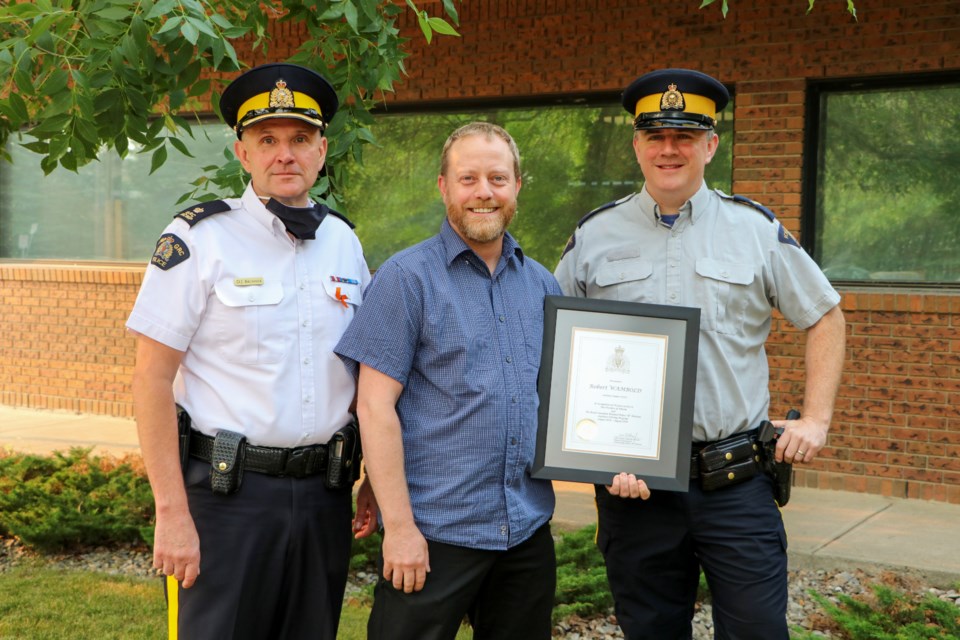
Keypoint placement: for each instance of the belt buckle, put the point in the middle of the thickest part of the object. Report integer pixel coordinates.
(298, 461)
(304, 461)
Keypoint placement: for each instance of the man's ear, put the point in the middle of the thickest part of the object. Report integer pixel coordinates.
(241, 152)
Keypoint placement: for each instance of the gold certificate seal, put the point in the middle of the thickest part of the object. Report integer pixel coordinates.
(587, 429)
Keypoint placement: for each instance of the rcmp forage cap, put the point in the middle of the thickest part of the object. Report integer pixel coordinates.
(278, 90)
(675, 98)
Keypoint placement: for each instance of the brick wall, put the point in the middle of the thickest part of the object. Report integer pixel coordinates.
(897, 427)
(62, 337)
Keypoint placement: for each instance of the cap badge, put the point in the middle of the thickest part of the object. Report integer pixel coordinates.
(672, 99)
(281, 96)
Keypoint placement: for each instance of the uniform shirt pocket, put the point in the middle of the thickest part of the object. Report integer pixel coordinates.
(626, 279)
(343, 292)
(247, 321)
(722, 288)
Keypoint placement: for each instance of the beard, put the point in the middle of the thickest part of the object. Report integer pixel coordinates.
(481, 228)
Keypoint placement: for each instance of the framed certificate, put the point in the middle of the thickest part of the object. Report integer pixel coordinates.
(617, 382)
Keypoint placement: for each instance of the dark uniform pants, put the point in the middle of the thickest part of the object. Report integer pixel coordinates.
(654, 550)
(508, 595)
(273, 560)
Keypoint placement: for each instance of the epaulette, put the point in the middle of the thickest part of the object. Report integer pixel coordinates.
(604, 207)
(750, 203)
(783, 235)
(197, 212)
(342, 217)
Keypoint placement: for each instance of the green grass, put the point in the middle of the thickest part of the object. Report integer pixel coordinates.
(41, 603)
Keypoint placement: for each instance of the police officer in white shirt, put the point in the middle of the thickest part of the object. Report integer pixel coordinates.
(239, 310)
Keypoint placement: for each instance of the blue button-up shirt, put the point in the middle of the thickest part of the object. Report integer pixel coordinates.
(466, 346)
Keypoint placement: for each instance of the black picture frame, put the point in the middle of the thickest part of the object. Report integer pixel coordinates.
(680, 329)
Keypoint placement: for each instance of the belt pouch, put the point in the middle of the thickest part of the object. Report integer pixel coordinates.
(720, 455)
(226, 462)
(729, 462)
(729, 475)
(343, 458)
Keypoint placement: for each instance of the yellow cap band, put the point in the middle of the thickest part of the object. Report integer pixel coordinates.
(693, 104)
(262, 101)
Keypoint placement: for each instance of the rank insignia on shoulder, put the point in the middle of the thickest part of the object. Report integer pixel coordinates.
(750, 203)
(195, 213)
(571, 243)
(785, 237)
(604, 207)
(170, 252)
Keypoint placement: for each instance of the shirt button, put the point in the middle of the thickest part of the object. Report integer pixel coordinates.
(622, 276)
(513, 441)
(306, 361)
(514, 399)
(509, 359)
(306, 400)
(306, 323)
(673, 296)
(503, 530)
(251, 298)
(302, 287)
(502, 319)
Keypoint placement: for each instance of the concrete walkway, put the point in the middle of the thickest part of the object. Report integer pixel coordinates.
(826, 529)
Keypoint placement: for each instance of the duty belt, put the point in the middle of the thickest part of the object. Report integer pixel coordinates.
(298, 462)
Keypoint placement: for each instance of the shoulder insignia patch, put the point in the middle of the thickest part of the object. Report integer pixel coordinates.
(785, 237)
(170, 252)
(195, 213)
(571, 243)
(604, 207)
(342, 217)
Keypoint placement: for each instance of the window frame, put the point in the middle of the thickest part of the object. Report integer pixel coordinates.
(816, 90)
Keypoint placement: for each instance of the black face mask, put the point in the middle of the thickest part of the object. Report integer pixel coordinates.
(301, 222)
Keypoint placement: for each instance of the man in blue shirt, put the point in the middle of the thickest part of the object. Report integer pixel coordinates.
(447, 347)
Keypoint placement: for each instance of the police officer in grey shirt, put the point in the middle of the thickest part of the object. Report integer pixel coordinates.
(679, 243)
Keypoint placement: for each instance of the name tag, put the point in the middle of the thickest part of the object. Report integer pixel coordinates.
(247, 282)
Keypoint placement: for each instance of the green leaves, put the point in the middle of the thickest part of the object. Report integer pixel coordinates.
(79, 78)
(429, 25)
(725, 8)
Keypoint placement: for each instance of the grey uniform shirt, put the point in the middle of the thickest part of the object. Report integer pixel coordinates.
(733, 261)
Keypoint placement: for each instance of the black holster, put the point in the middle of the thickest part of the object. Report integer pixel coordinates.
(780, 472)
(183, 433)
(343, 458)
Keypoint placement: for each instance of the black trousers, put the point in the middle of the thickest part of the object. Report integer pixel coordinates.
(507, 595)
(654, 550)
(273, 559)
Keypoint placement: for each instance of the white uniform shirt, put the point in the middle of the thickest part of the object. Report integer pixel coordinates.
(725, 257)
(257, 315)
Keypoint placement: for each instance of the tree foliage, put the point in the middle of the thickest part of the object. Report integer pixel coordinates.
(725, 6)
(81, 76)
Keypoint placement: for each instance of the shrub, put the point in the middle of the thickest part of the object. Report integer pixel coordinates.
(70, 500)
(581, 576)
(891, 615)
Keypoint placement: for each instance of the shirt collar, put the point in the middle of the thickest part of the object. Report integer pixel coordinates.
(257, 208)
(694, 207)
(454, 245)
